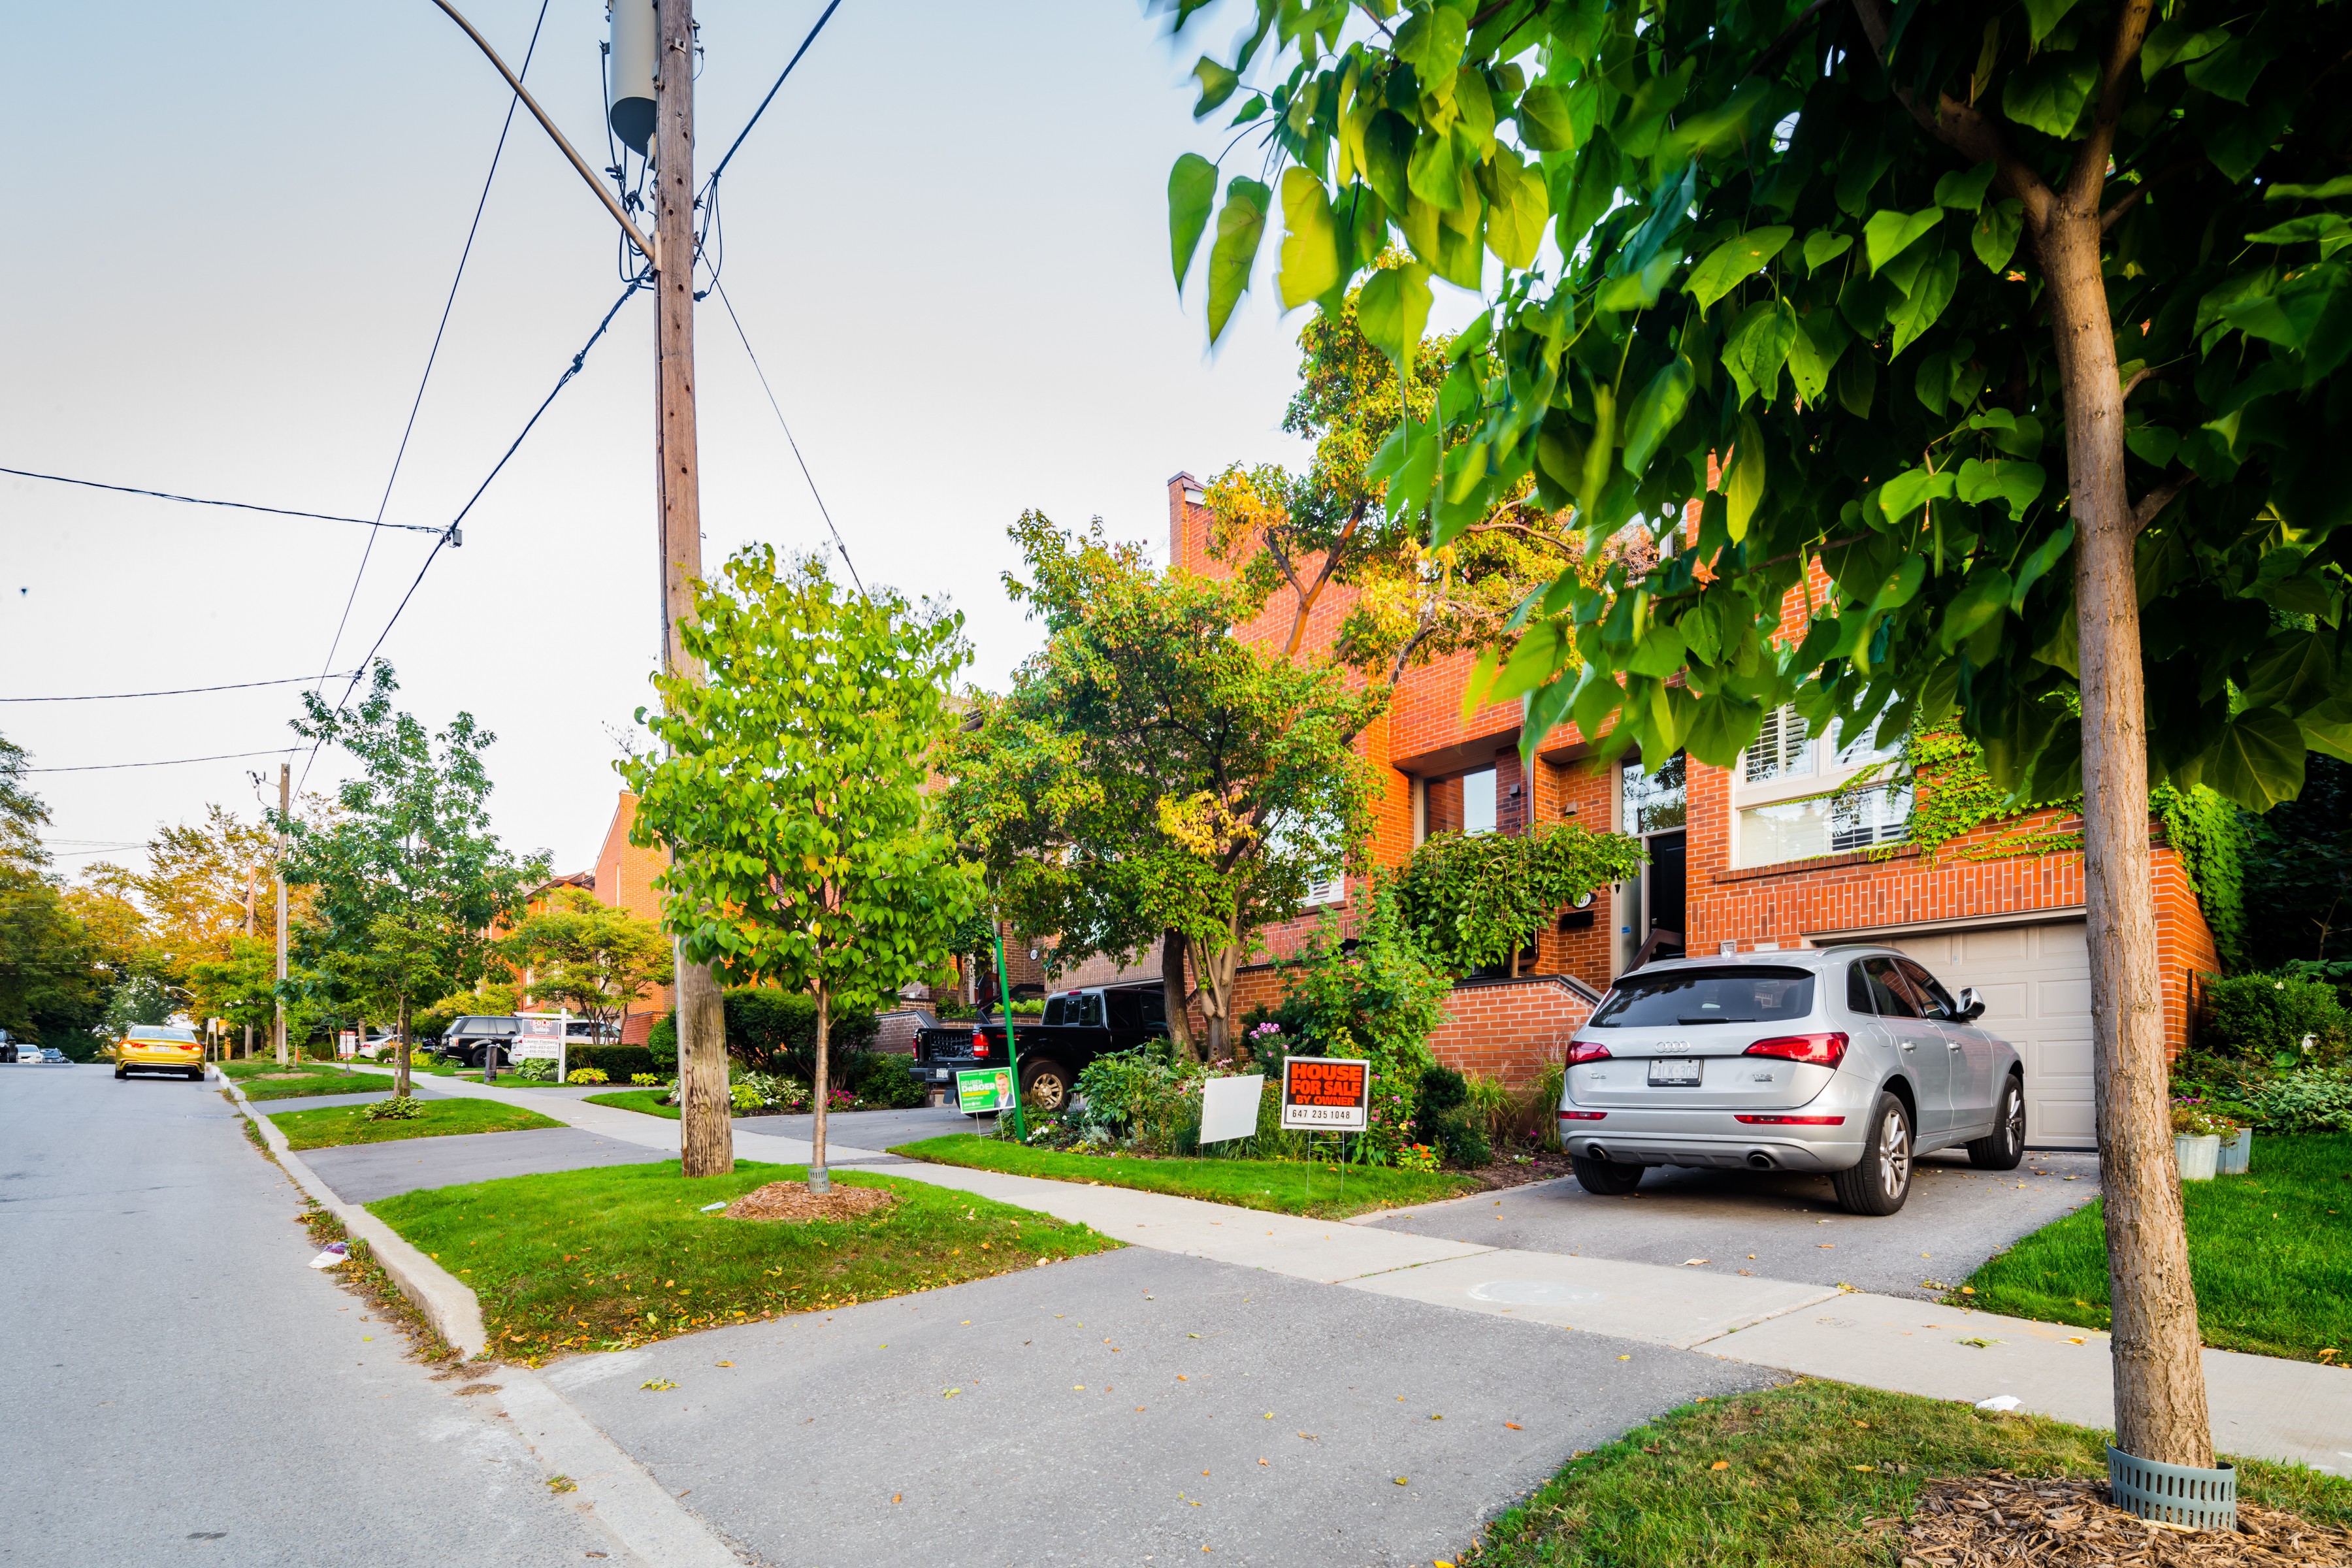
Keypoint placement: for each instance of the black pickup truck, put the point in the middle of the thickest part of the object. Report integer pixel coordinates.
(1077, 1028)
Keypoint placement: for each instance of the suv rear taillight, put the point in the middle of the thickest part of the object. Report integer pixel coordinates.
(1815, 1050)
(1586, 1051)
(978, 1044)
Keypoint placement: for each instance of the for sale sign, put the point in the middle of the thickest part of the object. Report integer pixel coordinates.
(540, 1036)
(1326, 1094)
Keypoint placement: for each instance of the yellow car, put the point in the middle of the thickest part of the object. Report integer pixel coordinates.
(158, 1047)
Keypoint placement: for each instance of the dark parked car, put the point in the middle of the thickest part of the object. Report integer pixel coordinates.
(466, 1039)
(1077, 1028)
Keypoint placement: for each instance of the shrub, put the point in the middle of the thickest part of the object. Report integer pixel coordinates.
(746, 1098)
(1378, 1000)
(2316, 1100)
(775, 1031)
(1138, 1093)
(400, 1107)
(536, 1070)
(882, 1078)
(2267, 1018)
(661, 1044)
(589, 1075)
(616, 1062)
(645, 1079)
(1451, 1120)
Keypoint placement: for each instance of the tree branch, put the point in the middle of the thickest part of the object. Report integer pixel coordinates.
(1958, 126)
(2115, 214)
(2157, 499)
(2088, 177)
(1769, 59)
(2131, 386)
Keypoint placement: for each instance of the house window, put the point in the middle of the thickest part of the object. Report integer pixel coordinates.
(1328, 890)
(1655, 801)
(1799, 795)
(1479, 802)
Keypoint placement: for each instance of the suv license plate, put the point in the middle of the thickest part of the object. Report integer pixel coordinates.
(1666, 1072)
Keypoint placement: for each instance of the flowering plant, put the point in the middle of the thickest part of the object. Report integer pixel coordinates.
(1417, 1157)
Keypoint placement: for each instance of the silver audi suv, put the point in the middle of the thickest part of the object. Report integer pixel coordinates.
(1848, 1061)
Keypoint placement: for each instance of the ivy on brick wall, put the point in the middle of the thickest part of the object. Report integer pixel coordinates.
(2207, 833)
(1953, 796)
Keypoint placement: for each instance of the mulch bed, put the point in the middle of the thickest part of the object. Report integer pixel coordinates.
(2000, 1519)
(1543, 1165)
(792, 1201)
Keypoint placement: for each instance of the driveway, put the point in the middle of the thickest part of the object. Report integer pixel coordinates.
(1115, 1409)
(1778, 1225)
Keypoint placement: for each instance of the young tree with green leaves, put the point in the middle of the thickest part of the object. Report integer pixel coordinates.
(588, 957)
(1153, 778)
(407, 878)
(804, 851)
(2025, 320)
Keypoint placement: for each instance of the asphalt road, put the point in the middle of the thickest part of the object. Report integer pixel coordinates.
(1114, 1409)
(1778, 1225)
(179, 1387)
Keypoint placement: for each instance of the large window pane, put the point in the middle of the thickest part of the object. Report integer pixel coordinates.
(1825, 825)
(1655, 801)
(1478, 801)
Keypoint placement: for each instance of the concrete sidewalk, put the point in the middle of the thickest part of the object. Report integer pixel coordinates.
(2262, 1407)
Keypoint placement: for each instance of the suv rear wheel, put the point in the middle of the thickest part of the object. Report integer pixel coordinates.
(1044, 1086)
(1606, 1178)
(2004, 1149)
(1882, 1180)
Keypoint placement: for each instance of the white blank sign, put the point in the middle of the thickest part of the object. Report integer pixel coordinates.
(1229, 1106)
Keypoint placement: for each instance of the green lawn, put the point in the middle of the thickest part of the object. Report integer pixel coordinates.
(1790, 1494)
(267, 1080)
(604, 1259)
(337, 1124)
(649, 1100)
(2271, 1253)
(1284, 1186)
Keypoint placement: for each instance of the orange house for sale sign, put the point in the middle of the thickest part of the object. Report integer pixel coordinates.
(1326, 1094)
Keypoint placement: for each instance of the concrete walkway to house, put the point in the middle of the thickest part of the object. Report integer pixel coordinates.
(2261, 1406)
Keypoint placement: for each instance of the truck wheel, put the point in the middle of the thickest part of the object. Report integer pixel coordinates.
(1045, 1086)
(1606, 1178)
(1878, 1185)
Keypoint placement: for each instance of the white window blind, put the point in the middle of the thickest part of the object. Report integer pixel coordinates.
(1782, 748)
(1330, 890)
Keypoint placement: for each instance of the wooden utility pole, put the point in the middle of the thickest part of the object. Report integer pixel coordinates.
(252, 878)
(285, 803)
(707, 1136)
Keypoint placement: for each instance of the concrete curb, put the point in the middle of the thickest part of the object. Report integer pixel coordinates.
(622, 1495)
(453, 1309)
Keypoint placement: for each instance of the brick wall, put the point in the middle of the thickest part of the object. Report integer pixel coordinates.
(625, 881)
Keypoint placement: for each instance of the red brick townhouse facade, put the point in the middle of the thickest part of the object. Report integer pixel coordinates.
(1767, 855)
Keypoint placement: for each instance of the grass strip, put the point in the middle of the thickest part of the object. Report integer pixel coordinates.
(1809, 1474)
(294, 1083)
(1279, 1186)
(649, 1100)
(334, 1125)
(621, 1255)
(2266, 1251)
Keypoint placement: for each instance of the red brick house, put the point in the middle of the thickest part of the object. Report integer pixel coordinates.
(1753, 858)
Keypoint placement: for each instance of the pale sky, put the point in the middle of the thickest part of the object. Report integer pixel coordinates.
(238, 223)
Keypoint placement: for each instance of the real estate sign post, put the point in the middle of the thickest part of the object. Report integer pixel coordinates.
(1327, 1094)
(545, 1038)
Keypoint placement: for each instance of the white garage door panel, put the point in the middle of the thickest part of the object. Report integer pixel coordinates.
(2036, 984)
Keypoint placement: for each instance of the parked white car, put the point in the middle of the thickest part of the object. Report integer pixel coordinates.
(1848, 1061)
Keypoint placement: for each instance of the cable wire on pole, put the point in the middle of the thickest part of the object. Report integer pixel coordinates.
(202, 501)
(578, 360)
(182, 692)
(433, 355)
(821, 509)
(720, 168)
(164, 762)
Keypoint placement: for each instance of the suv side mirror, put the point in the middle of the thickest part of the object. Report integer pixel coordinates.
(1972, 1005)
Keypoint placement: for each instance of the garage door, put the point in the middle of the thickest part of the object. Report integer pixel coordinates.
(2036, 984)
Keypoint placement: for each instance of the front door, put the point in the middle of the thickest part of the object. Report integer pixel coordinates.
(1665, 886)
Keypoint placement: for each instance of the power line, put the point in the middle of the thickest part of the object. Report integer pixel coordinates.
(182, 692)
(578, 362)
(434, 353)
(202, 501)
(795, 445)
(165, 762)
(722, 167)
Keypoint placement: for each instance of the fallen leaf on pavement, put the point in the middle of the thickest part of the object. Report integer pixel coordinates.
(1403, 1481)
(898, 1496)
(1515, 1426)
(658, 1384)
(1695, 1262)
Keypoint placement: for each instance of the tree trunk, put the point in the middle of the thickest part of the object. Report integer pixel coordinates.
(1218, 973)
(401, 1081)
(1176, 995)
(2159, 1380)
(820, 1180)
(706, 1136)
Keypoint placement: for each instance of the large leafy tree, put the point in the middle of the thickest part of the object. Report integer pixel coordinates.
(592, 959)
(805, 852)
(1151, 778)
(2024, 322)
(406, 879)
(55, 970)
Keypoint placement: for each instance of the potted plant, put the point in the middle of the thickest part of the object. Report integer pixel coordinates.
(2236, 1153)
(2197, 1139)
